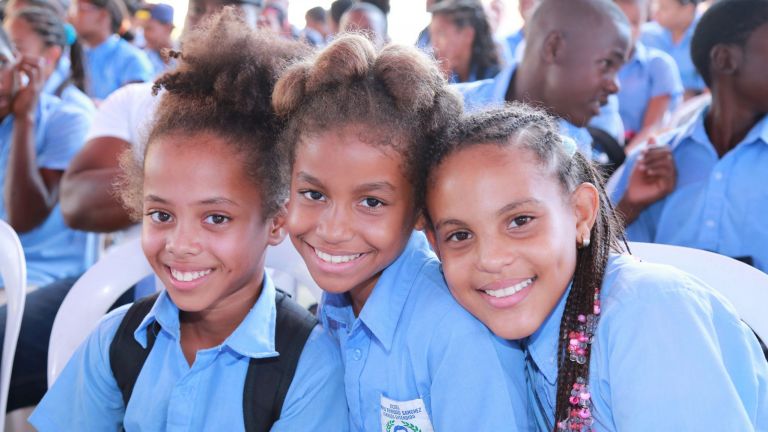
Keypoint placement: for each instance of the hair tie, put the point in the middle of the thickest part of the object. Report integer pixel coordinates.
(70, 33)
(569, 145)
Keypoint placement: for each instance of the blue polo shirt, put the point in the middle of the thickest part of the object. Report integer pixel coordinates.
(719, 204)
(492, 92)
(515, 44)
(170, 395)
(655, 36)
(113, 64)
(669, 354)
(648, 73)
(53, 251)
(413, 350)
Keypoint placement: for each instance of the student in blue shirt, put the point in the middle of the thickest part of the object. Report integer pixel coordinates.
(703, 185)
(529, 244)
(573, 51)
(413, 358)
(462, 41)
(38, 137)
(41, 32)
(110, 61)
(211, 199)
(671, 31)
(650, 81)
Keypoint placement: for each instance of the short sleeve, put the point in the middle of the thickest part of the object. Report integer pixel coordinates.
(64, 136)
(665, 76)
(665, 359)
(85, 397)
(464, 358)
(316, 398)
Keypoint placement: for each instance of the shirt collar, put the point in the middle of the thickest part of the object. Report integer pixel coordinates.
(696, 131)
(543, 344)
(254, 337)
(639, 54)
(105, 46)
(382, 310)
(502, 81)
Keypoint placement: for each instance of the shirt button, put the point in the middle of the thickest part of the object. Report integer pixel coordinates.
(357, 354)
(710, 223)
(718, 176)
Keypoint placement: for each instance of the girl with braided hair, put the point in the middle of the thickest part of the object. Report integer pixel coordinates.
(413, 358)
(530, 245)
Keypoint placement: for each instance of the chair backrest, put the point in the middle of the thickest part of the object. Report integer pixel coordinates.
(743, 285)
(13, 270)
(121, 267)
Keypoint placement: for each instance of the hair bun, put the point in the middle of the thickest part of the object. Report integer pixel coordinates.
(408, 76)
(346, 59)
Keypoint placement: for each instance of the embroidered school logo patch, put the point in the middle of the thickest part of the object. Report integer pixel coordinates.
(404, 416)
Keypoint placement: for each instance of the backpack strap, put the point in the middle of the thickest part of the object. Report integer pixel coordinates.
(126, 355)
(268, 379)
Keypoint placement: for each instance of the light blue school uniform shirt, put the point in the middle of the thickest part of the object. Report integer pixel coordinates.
(492, 93)
(170, 395)
(655, 36)
(413, 344)
(718, 204)
(669, 354)
(113, 64)
(70, 94)
(52, 250)
(516, 44)
(648, 73)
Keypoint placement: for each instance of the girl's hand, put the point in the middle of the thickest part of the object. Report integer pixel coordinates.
(25, 99)
(653, 176)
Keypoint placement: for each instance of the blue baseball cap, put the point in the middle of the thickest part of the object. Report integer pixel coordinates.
(161, 12)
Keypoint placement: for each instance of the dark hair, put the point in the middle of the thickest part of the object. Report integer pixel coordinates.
(56, 6)
(222, 85)
(117, 10)
(338, 8)
(523, 127)
(52, 30)
(398, 93)
(383, 5)
(317, 14)
(470, 13)
(729, 22)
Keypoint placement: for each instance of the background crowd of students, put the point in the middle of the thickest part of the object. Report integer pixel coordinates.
(76, 92)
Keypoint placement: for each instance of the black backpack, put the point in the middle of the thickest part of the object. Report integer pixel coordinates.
(261, 408)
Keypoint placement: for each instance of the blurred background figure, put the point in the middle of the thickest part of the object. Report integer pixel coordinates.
(158, 28)
(649, 83)
(462, 41)
(110, 61)
(515, 41)
(671, 31)
(338, 7)
(316, 31)
(368, 19)
(274, 17)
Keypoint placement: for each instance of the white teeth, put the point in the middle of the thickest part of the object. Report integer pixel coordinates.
(336, 259)
(508, 291)
(188, 276)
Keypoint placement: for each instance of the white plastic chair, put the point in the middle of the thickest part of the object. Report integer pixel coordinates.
(90, 298)
(13, 269)
(743, 285)
(120, 268)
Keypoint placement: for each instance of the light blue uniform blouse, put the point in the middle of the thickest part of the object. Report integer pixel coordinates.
(648, 73)
(113, 64)
(669, 354)
(718, 204)
(655, 36)
(52, 250)
(492, 93)
(170, 395)
(413, 341)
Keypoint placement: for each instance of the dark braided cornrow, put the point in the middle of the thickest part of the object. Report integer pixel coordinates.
(522, 126)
